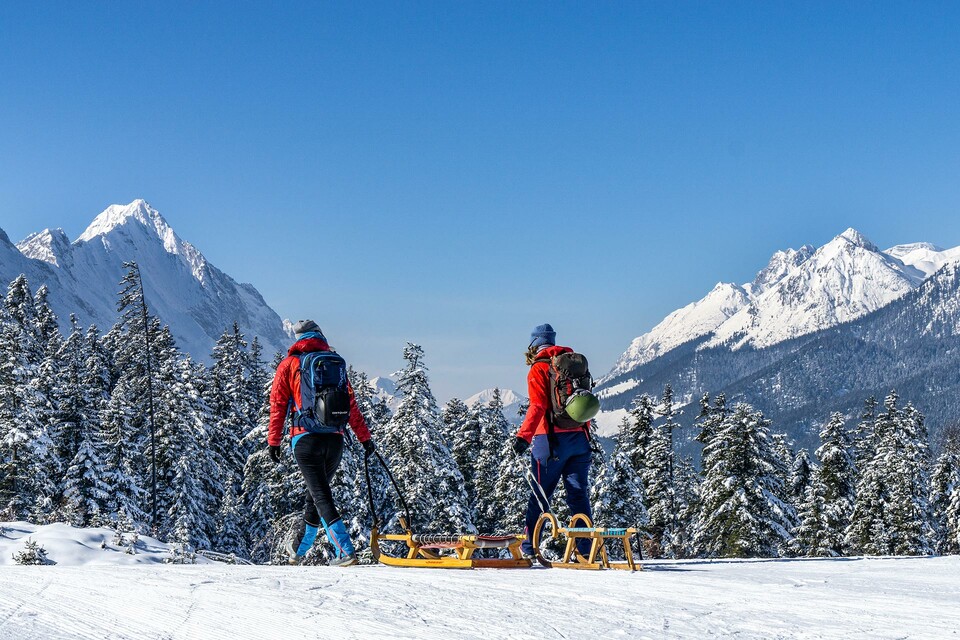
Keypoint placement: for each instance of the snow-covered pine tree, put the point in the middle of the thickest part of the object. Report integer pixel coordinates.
(494, 432)
(80, 397)
(27, 453)
(799, 477)
(945, 493)
(688, 505)
(228, 397)
(743, 510)
(422, 464)
(229, 535)
(188, 481)
(659, 481)
(455, 415)
(464, 445)
(911, 516)
(864, 435)
(892, 513)
(783, 456)
(641, 432)
(618, 499)
(829, 499)
(810, 535)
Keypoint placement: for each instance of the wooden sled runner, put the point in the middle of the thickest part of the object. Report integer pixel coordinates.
(597, 558)
(424, 550)
(438, 550)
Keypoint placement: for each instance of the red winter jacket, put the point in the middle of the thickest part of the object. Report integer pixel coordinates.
(286, 393)
(538, 388)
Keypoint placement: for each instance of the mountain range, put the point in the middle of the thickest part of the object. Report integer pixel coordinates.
(817, 330)
(182, 288)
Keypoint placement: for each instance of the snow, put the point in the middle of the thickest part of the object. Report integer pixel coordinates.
(806, 598)
(608, 422)
(924, 256)
(70, 546)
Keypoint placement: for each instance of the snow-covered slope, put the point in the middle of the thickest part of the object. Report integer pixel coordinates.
(923, 256)
(195, 298)
(73, 547)
(809, 598)
(689, 323)
(845, 279)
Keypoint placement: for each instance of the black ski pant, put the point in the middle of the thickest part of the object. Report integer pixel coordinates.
(318, 456)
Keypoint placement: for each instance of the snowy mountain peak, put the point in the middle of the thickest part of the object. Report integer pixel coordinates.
(781, 263)
(49, 245)
(138, 223)
(854, 237)
(846, 278)
(118, 215)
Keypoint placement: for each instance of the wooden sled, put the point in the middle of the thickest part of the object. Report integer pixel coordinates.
(572, 559)
(424, 550)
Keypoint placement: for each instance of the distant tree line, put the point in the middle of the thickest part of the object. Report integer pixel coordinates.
(75, 447)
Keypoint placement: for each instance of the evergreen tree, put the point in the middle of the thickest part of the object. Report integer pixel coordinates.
(229, 398)
(829, 499)
(80, 398)
(618, 497)
(465, 449)
(455, 415)
(743, 510)
(27, 453)
(945, 494)
(659, 481)
(494, 432)
(422, 464)
(892, 513)
(799, 477)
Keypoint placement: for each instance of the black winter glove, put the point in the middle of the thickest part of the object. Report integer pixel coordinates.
(368, 448)
(520, 445)
(276, 452)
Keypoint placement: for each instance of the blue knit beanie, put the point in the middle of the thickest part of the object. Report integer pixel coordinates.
(543, 335)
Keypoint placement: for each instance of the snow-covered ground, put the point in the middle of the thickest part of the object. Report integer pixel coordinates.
(844, 598)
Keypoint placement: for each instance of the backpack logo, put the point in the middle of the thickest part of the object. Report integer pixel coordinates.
(323, 393)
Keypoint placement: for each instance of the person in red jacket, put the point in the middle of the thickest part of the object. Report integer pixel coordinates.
(317, 454)
(564, 453)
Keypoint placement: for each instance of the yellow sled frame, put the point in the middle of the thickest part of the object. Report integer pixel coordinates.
(597, 558)
(424, 554)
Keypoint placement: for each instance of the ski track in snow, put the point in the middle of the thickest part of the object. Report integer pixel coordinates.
(842, 598)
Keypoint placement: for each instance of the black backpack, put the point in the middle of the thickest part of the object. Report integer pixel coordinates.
(569, 375)
(324, 393)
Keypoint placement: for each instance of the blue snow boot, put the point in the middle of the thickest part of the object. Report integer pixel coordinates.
(344, 554)
(300, 542)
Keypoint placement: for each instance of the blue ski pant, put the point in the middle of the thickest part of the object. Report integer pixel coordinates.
(571, 463)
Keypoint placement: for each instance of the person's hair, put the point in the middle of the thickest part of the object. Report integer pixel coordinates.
(531, 354)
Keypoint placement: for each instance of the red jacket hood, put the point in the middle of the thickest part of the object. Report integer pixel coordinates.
(550, 352)
(308, 345)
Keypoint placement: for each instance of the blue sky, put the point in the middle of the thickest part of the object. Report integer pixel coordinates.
(450, 158)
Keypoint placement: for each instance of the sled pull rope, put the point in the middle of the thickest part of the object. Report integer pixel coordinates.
(373, 509)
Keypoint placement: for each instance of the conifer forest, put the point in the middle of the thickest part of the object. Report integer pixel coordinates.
(118, 427)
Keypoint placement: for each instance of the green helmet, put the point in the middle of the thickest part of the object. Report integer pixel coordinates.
(582, 407)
